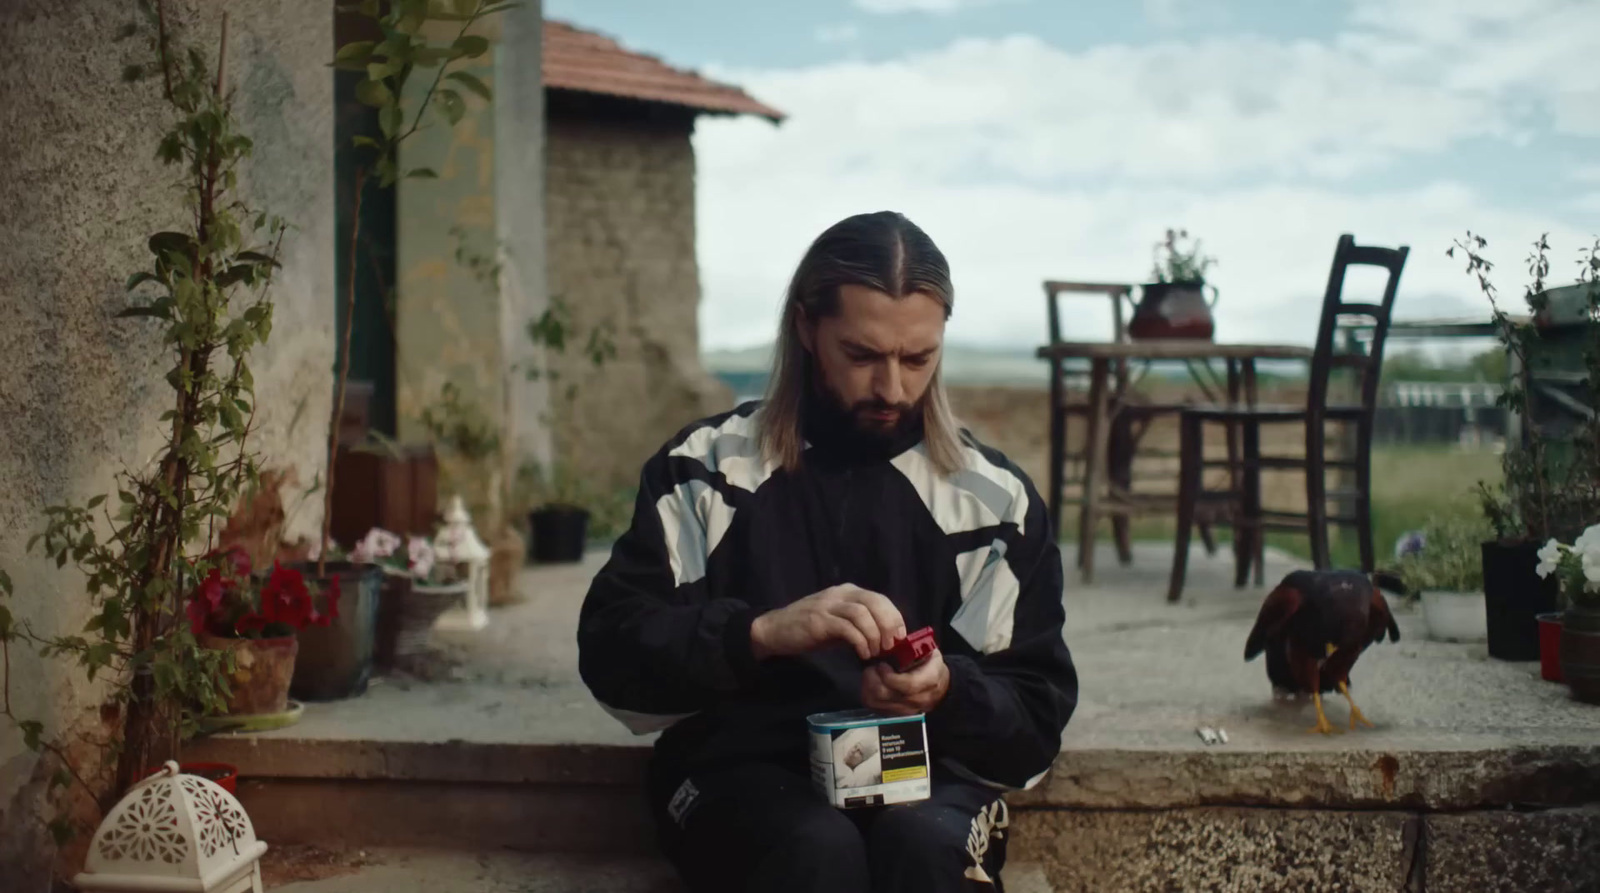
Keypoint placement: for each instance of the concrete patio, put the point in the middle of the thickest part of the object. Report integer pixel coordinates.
(513, 735)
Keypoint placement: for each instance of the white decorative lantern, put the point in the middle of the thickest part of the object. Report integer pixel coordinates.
(457, 543)
(175, 832)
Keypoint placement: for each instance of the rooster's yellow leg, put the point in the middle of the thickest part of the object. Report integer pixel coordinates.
(1322, 726)
(1355, 712)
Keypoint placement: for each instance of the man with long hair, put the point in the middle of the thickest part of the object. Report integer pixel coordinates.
(778, 549)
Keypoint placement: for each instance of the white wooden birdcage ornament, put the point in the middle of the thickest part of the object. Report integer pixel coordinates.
(457, 543)
(175, 832)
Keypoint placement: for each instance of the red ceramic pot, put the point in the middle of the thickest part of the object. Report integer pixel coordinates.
(225, 775)
(1550, 647)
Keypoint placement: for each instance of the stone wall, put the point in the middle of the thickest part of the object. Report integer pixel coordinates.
(80, 392)
(620, 187)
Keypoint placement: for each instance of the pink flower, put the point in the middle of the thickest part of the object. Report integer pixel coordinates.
(421, 557)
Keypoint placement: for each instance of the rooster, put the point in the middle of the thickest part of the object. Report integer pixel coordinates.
(1313, 626)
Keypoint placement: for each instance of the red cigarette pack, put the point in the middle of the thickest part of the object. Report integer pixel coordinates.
(908, 653)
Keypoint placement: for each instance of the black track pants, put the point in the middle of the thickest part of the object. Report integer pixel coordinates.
(758, 827)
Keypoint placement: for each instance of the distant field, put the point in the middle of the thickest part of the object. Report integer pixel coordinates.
(1410, 484)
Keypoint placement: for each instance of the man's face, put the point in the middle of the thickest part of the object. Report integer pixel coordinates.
(876, 356)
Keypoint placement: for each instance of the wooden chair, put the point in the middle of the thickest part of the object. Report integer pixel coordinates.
(1130, 416)
(1248, 518)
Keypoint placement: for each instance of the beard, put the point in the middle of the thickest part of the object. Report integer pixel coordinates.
(861, 420)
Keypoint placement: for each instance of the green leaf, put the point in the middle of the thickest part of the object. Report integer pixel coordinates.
(61, 830)
(390, 118)
(61, 779)
(33, 541)
(356, 51)
(367, 142)
(471, 82)
(422, 173)
(5, 622)
(5, 582)
(96, 501)
(236, 274)
(373, 93)
(470, 45)
(138, 279)
(150, 311)
(453, 106)
(170, 243)
(32, 733)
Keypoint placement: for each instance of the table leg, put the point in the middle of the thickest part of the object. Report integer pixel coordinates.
(1094, 465)
(1258, 540)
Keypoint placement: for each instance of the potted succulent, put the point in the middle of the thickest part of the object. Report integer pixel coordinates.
(417, 589)
(1576, 570)
(256, 621)
(1447, 573)
(1551, 485)
(1175, 305)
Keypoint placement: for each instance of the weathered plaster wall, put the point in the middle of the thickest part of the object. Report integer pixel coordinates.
(79, 391)
(621, 220)
(456, 324)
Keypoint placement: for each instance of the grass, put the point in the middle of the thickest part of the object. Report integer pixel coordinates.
(1410, 485)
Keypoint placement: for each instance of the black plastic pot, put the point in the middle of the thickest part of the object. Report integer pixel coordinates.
(558, 534)
(1514, 597)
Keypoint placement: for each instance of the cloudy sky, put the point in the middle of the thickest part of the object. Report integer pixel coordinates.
(1040, 139)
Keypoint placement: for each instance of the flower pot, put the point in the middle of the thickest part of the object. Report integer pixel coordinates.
(1514, 597)
(1173, 310)
(1550, 646)
(420, 611)
(1455, 616)
(223, 775)
(1580, 653)
(559, 534)
(262, 669)
(391, 604)
(505, 559)
(335, 661)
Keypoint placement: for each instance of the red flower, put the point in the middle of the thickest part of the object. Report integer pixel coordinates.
(251, 622)
(285, 598)
(205, 602)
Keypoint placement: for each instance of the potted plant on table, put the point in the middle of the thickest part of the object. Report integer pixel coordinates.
(1175, 305)
(417, 590)
(1576, 570)
(1447, 573)
(1551, 487)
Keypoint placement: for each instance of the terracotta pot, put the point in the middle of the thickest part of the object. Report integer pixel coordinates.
(1580, 653)
(505, 559)
(1550, 646)
(262, 670)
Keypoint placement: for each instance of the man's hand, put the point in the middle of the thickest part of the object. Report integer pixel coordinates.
(903, 694)
(867, 621)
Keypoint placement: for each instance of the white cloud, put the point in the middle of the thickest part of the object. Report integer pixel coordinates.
(890, 7)
(1025, 162)
(838, 33)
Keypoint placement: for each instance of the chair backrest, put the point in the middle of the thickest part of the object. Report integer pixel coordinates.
(1334, 307)
(1118, 293)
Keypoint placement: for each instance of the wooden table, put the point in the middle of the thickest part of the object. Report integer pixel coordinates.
(1241, 385)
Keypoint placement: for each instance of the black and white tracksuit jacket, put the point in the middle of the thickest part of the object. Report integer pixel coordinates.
(718, 537)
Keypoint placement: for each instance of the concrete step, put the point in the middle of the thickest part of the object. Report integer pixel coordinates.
(299, 870)
(1512, 819)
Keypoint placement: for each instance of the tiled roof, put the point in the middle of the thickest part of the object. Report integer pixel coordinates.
(575, 59)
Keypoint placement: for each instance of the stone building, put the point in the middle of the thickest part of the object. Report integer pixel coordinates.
(620, 224)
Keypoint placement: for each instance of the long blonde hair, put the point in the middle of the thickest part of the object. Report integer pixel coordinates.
(883, 251)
